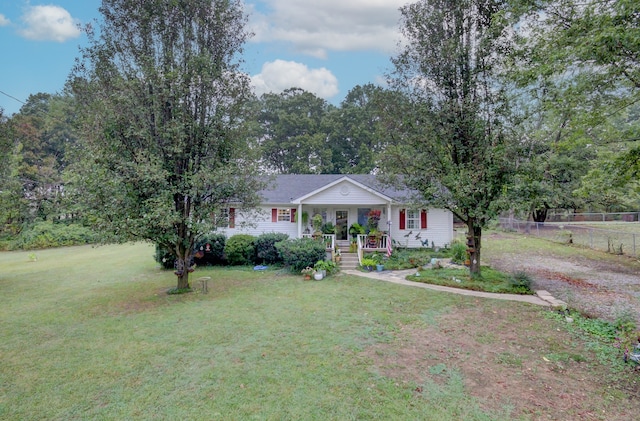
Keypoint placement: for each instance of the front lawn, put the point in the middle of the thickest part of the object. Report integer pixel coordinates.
(90, 333)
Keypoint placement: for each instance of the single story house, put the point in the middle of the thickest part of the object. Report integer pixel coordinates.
(344, 200)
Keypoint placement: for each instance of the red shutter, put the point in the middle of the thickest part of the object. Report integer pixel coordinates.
(403, 219)
(232, 218)
(423, 219)
(274, 215)
(293, 214)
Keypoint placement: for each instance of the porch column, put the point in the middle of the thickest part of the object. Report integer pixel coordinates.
(389, 217)
(299, 213)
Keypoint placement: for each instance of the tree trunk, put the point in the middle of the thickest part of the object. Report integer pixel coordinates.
(474, 238)
(183, 280)
(184, 265)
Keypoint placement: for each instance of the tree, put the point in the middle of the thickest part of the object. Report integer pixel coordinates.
(449, 138)
(292, 135)
(353, 127)
(163, 151)
(585, 52)
(44, 129)
(13, 207)
(553, 154)
(598, 39)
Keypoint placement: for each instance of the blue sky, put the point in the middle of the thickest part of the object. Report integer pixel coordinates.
(325, 48)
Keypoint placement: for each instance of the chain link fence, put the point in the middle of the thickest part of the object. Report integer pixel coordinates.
(620, 238)
(564, 216)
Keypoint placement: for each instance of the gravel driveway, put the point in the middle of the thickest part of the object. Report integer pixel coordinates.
(595, 283)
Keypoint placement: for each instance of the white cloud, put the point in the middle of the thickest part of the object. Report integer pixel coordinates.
(3, 20)
(317, 27)
(279, 75)
(49, 23)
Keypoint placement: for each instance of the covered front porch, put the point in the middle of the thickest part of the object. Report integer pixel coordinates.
(359, 245)
(346, 214)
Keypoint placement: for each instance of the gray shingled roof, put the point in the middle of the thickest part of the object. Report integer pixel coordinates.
(288, 187)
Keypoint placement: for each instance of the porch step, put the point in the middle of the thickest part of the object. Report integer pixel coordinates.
(348, 260)
(343, 246)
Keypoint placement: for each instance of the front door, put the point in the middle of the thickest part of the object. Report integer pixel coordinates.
(342, 222)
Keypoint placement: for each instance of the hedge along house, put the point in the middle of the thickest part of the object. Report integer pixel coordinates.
(342, 200)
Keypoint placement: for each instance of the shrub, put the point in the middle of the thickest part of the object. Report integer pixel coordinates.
(266, 251)
(240, 249)
(300, 253)
(164, 257)
(211, 248)
(458, 252)
(520, 279)
(44, 234)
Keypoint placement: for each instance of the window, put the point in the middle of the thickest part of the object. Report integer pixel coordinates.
(284, 215)
(221, 219)
(413, 219)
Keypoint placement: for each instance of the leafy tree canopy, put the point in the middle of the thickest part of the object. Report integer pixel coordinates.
(450, 141)
(163, 103)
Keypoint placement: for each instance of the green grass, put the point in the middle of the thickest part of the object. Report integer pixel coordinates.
(90, 333)
(491, 280)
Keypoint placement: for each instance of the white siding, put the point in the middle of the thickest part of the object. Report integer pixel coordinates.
(439, 223)
(261, 224)
(345, 192)
(439, 229)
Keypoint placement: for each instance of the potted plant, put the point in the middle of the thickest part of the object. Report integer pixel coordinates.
(317, 222)
(377, 258)
(328, 228)
(308, 272)
(305, 219)
(326, 267)
(374, 238)
(356, 229)
(368, 263)
(373, 218)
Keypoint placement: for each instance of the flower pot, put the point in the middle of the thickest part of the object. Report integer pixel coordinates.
(317, 276)
(379, 268)
(307, 277)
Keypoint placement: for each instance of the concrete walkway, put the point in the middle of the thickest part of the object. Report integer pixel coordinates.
(542, 298)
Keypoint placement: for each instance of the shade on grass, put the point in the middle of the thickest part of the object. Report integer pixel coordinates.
(89, 333)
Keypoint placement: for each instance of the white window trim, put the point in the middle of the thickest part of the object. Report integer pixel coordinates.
(412, 222)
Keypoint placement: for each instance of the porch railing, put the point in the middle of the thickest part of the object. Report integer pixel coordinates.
(328, 239)
(371, 243)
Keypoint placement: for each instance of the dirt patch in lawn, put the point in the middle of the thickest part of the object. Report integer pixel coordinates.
(511, 355)
(515, 358)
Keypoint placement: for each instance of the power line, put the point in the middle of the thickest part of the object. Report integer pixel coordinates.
(12, 97)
